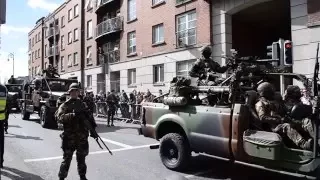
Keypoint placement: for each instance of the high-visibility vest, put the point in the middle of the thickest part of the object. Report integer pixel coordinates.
(3, 102)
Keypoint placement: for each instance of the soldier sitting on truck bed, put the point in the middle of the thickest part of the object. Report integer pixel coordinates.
(205, 69)
(51, 72)
(269, 113)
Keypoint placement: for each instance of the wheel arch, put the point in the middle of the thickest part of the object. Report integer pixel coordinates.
(170, 126)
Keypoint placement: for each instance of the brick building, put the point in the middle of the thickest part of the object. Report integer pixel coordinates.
(125, 44)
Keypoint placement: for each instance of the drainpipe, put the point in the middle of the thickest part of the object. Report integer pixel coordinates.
(211, 23)
(82, 42)
(42, 44)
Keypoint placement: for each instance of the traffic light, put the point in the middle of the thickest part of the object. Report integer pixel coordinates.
(273, 51)
(287, 53)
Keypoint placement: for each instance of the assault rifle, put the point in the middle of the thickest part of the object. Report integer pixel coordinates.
(315, 94)
(89, 122)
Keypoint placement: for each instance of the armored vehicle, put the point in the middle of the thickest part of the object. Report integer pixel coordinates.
(227, 129)
(41, 95)
(15, 94)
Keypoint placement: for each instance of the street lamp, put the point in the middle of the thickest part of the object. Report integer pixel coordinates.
(11, 55)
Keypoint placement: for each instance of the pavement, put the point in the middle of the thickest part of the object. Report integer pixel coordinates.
(34, 153)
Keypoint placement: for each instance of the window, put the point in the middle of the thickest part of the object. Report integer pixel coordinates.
(62, 42)
(32, 41)
(69, 37)
(45, 50)
(36, 38)
(89, 59)
(70, 15)
(32, 56)
(181, 1)
(89, 29)
(45, 65)
(76, 34)
(131, 42)
(69, 60)
(89, 5)
(187, 27)
(157, 34)
(75, 58)
(29, 44)
(89, 81)
(158, 73)
(132, 10)
(154, 2)
(62, 21)
(38, 53)
(131, 76)
(183, 68)
(39, 39)
(62, 63)
(76, 10)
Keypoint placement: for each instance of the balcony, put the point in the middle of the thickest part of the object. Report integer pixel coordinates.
(102, 3)
(54, 50)
(109, 26)
(51, 31)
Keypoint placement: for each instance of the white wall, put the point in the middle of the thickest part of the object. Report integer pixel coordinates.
(93, 72)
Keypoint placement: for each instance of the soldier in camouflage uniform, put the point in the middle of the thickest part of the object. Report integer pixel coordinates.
(293, 97)
(269, 112)
(205, 68)
(75, 134)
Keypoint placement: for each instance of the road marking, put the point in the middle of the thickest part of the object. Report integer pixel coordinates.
(197, 174)
(91, 153)
(116, 143)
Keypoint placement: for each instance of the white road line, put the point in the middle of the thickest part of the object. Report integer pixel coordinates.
(116, 143)
(197, 174)
(91, 153)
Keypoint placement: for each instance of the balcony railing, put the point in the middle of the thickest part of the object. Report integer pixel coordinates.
(101, 3)
(54, 50)
(52, 30)
(109, 26)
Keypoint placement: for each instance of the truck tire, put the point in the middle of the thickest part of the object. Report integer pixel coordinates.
(45, 117)
(175, 151)
(24, 114)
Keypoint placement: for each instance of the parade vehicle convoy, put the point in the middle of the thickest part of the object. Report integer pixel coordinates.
(229, 130)
(40, 96)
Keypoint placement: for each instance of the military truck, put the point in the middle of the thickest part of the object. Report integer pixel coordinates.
(41, 95)
(15, 94)
(227, 131)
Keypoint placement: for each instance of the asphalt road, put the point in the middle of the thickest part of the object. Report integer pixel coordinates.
(34, 153)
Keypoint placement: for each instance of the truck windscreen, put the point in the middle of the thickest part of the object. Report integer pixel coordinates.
(57, 85)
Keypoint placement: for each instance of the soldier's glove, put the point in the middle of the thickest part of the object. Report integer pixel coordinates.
(93, 134)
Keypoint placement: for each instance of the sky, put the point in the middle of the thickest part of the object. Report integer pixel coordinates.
(21, 18)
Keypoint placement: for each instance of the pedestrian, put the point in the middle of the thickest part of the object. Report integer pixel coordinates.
(75, 134)
(111, 101)
(3, 114)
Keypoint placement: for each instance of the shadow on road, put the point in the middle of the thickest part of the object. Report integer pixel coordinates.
(102, 127)
(16, 174)
(207, 167)
(24, 137)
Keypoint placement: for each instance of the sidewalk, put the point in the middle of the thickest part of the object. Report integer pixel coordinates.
(15, 168)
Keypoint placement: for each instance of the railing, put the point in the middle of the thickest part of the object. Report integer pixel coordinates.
(54, 50)
(109, 26)
(101, 3)
(52, 30)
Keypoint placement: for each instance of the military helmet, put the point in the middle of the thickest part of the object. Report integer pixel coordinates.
(74, 86)
(207, 50)
(266, 89)
(293, 92)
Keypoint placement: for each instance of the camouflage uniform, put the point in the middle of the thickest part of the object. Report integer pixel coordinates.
(74, 137)
(205, 68)
(111, 100)
(269, 112)
(293, 97)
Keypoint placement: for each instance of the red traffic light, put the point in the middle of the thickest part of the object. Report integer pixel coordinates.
(288, 45)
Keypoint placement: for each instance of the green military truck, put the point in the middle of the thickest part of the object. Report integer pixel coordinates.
(40, 96)
(226, 131)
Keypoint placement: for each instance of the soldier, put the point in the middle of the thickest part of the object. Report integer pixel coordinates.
(12, 80)
(292, 97)
(3, 114)
(75, 134)
(205, 68)
(111, 100)
(270, 114)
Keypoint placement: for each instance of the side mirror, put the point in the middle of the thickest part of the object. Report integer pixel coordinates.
(301, 111)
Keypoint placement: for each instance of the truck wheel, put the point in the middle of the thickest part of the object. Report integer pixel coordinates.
(24, 114)
(45, 117)
(174, 151)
